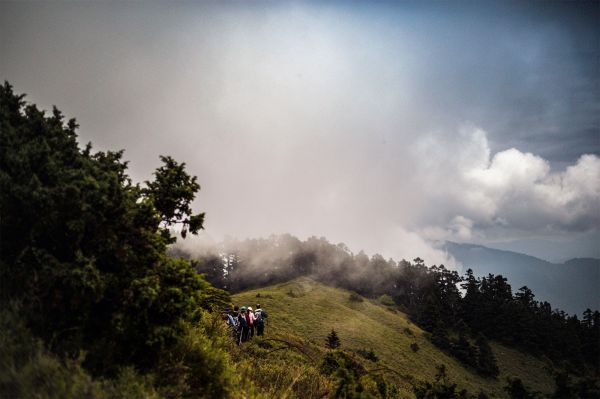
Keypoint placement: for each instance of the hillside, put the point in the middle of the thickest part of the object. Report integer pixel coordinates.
(307, 310)
(571, 286)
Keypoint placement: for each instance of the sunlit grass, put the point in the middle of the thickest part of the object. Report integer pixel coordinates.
(309, 310)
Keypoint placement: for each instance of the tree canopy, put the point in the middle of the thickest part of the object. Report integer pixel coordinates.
(83, 248)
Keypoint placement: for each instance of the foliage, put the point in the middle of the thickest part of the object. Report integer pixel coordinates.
(516, 390)
(199, 365)
(368, 354)
(566, 388)
(486, 362)
(172, 192)
(479, 356)
(28, 370)
(442, 388)
(84, 252)
(332, 341)
(386, 300)
(354, 297)
(353, 380)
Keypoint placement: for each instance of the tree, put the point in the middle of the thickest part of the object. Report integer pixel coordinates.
(84, 249)
(171, 192)
(486, 361)
(440, 389)
(516, 389)
(332, 340)
(564, 387)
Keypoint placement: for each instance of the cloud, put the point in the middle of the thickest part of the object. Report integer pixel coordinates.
(337, 120)
(515, 191)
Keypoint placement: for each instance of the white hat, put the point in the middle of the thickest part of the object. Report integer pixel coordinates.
(249, 307)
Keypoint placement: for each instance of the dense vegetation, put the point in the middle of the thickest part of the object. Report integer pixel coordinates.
(460, 322)
(86, 282)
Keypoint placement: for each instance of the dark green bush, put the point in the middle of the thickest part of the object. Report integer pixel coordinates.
(368, 354)
(28, 370)
(386, 300)
(354, 297)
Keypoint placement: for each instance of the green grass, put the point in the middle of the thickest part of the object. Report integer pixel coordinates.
(307, 310)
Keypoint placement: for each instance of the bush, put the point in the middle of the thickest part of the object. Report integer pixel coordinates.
(415, 347)
(386, 300)
(296, 291)
(332, 341)
(516, 390)
(28, 370)
(199, 365)
(354, 297)
(368, 354)
(334, 360)
(441, 388)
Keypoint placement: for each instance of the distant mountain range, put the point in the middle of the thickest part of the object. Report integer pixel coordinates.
(572, 286)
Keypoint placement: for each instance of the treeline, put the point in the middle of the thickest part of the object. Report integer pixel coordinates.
(90, 304)
(458, 320)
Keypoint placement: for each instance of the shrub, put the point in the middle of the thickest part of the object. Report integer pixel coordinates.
(441, 388)
(296, 291)
(415, 347)
(386, 300)
(516, 390)
(486, 361)
(28, 370)
(199, 365)
(332, 341)
(354, 297)
(368, 354)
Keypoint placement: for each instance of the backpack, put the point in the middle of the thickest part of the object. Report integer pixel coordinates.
(233, 321)
(260, 315)
(242, 322)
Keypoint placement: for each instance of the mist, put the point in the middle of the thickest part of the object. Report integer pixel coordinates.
(388, 127)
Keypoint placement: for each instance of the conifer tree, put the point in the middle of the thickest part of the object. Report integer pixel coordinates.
(486, 362)
(333, 341)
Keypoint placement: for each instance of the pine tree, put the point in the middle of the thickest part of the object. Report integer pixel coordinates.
(516, 390)
(333, 340)
(486, 361)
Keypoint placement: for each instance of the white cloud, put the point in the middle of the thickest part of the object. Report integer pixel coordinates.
(512, 190)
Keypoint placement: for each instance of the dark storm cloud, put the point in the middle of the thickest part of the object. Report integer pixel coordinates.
(382, 125)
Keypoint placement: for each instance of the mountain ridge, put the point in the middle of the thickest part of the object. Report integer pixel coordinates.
(569, 260)
(570, 286)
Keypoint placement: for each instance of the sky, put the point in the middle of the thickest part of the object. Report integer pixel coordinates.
(389, 126)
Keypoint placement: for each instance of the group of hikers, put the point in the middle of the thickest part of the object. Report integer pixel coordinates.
(245, 322)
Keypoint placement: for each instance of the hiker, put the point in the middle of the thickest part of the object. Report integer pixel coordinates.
(259, 320)
(250, 317)
(232, 321)
(242, 326)
(225, 316)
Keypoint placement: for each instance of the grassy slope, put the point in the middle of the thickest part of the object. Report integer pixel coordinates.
(310, 310)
